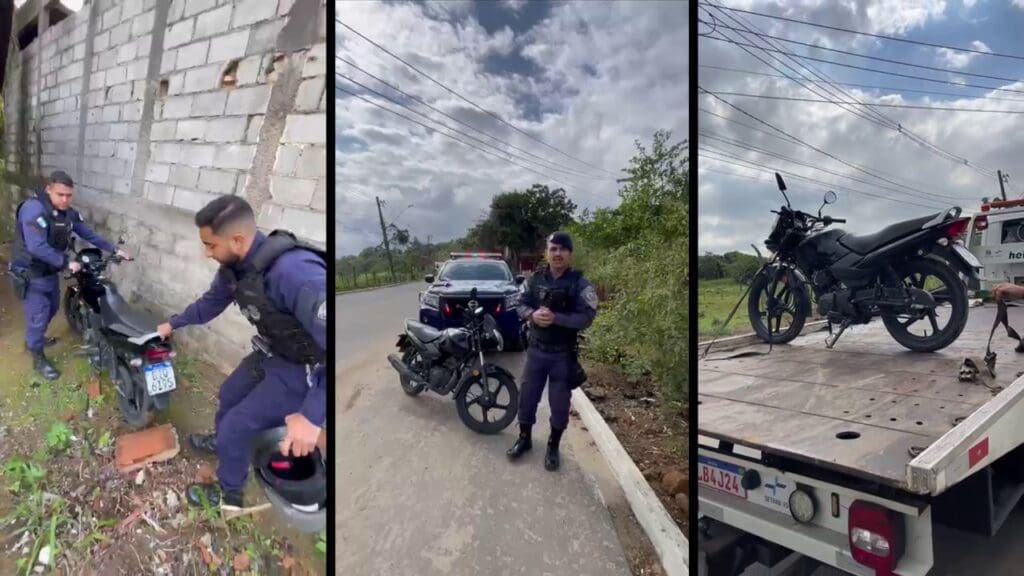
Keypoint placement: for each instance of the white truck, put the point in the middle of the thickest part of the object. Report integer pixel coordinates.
(856, 458)
(996, 237)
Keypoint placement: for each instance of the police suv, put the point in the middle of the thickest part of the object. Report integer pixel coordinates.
(498, 291)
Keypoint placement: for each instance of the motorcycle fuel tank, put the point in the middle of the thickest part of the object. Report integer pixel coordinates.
(821, 250)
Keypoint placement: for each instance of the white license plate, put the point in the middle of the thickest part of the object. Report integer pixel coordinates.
(160, 378)
(720, 476)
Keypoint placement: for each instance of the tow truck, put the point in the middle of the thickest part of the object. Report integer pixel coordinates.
(996, 237)
(866, 459)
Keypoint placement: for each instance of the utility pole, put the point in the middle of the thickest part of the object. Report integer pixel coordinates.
(387, 245)
(1002, 180)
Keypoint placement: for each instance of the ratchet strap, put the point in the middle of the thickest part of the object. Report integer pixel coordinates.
(969, 370)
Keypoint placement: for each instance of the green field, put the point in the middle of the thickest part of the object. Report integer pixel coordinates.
(344, 283)
(715, 299)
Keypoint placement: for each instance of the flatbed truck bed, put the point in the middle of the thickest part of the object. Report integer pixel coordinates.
(869, 421)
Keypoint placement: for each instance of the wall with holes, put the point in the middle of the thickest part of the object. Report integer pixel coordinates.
(155, 108)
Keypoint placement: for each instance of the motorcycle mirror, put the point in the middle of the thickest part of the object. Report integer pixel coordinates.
(472, 294)
(830, 197)
(429, 278)
(782, 187)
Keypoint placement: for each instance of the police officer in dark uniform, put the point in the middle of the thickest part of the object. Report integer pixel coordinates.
(280, 285)
(45, 224)
(559, 302)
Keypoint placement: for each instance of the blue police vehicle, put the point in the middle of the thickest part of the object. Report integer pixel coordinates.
(498, 292)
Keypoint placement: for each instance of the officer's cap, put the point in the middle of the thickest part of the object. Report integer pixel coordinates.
(561, 239)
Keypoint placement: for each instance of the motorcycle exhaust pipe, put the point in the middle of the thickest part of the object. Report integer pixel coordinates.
(402, 369)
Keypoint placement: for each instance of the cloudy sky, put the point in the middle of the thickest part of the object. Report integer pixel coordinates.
(586, 78)
(734, 201)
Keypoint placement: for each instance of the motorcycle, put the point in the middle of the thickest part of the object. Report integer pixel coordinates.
(120, 339)
(905, 273)
(451, 361)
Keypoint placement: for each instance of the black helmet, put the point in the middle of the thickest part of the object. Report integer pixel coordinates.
(297, 485)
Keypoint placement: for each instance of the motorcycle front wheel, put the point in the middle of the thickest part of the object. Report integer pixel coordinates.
(73, 312)
(475, 407)
(777, 311)
(950, 295)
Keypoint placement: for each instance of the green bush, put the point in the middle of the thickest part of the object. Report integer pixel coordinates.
(638, 253)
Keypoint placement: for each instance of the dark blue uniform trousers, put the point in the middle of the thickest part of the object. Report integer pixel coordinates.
(42, 301)
(248, 407)
(541, 367)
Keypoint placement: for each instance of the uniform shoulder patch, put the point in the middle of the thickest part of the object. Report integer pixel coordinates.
(590, 297)
(41, 222)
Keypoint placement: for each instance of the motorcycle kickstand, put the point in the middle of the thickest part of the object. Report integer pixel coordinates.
(831, 340)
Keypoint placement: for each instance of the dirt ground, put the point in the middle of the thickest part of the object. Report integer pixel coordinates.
(653, 431)
(62, 498)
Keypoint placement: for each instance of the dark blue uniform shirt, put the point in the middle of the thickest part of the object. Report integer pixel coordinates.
(35, 235)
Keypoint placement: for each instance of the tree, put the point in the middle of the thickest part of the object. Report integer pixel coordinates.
(521, 220)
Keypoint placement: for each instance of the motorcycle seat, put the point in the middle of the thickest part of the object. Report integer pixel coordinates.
(421, 331)
(871, 242)
(120, 317)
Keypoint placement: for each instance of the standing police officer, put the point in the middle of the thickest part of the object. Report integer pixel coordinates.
(280, 286)
(45, 225)
(559, 303)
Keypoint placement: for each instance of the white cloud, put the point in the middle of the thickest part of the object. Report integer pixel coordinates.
(609, 74)
(1017, 3)
(740, 207)
(959, 60)
(514, 5)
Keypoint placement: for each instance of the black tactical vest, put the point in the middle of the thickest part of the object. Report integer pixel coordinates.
(59, 227)
(284, 333)
(559, 295)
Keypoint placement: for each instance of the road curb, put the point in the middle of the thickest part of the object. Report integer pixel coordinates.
(336, 291)
(661, 529)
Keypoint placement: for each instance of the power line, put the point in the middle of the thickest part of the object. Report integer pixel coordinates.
(750, 165)
(752, 148)
(870, 86)
(456, 130)
(879, 36)
(811, 146)
(556, 166)
(879, 58)
(877, 71)
(791, 141)
(904, 106)
(413, 120)
(914, 137)
(467, 100)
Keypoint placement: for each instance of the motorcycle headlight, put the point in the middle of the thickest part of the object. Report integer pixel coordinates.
(512, 300)
(430, 300)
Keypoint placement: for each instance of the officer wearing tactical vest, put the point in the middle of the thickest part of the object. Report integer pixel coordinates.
(559, 302)
(46, 223)
(280, 285)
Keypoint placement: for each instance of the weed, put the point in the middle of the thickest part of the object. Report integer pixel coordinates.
(24, 475)
(58, 438)
(105, 440)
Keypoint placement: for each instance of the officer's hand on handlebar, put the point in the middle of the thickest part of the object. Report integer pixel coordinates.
(164, 330)
(75, 267)
(124, 255)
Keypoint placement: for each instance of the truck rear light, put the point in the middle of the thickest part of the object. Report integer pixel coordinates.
(876, 537)
(497, 309)
(981, 223)
(447, 310)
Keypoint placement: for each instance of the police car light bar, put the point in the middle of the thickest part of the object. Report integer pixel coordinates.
(455, 255)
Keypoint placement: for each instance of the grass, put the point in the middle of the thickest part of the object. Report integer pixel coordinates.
(346, 282)
(715, 299)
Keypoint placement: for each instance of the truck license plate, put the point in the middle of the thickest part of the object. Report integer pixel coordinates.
(160, 378)
(720, 476)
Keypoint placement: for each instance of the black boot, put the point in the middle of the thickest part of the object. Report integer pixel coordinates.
(205, 443)
(213, 495)
(43, 366)
(551, 458)
(523, 443)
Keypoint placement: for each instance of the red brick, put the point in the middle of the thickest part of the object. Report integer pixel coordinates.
(135, 450)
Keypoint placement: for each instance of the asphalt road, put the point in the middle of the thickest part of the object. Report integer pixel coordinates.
(420, 494)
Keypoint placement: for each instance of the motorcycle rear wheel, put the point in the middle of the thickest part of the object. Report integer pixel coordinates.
(408, 386)
(137, 410)
(463, 403)
(73, 312)
(955, 294)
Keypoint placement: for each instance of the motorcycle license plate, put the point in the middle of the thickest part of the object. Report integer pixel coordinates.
(967, 256)
(160, 378)
(720, 476)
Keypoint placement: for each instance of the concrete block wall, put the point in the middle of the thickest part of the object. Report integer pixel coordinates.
(156, 107)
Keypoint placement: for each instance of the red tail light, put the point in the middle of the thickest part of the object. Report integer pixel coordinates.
(876, 537)
(447, 310)
(981, 223)
(497, 309)
(158, 354)
(957, 228)
(280, 465)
